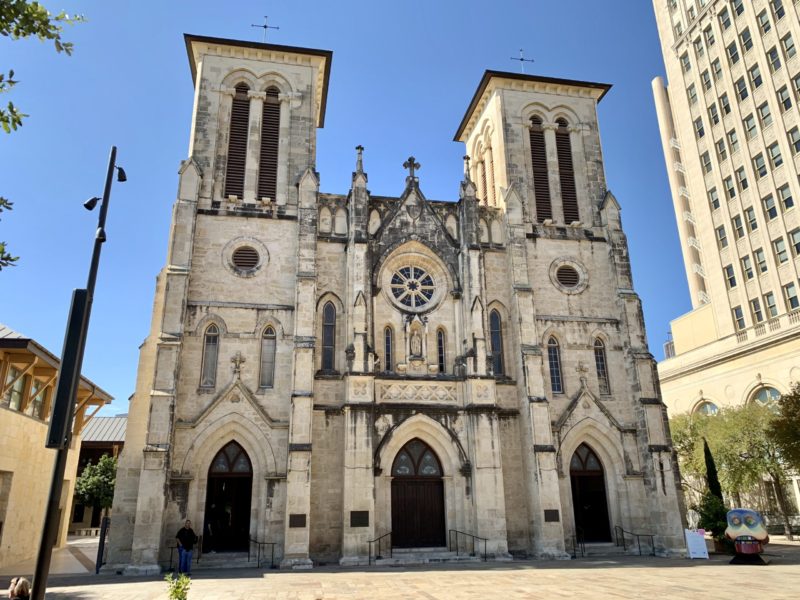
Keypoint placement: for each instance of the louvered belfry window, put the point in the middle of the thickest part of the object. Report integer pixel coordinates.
(541, 185)
(237, 142)
(270, 130)
(569, 196)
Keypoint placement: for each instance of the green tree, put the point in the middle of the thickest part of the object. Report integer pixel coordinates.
(95, 486)
(784, 430)
(21, 19)
(744, 450)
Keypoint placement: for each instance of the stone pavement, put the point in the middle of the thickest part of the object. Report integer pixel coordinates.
(625, 577)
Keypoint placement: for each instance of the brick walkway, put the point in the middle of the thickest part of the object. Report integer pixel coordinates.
(651, 578)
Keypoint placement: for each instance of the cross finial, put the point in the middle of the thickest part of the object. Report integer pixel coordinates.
(359, 159)
(581, 368)
(237, 361)
(411, 164)
(522, 60)
(466, 167)
(265, 27)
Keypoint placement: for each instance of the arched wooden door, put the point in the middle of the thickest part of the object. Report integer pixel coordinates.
(230, 487)
(417, 498)
(589, 495)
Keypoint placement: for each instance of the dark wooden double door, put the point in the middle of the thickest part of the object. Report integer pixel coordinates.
(417, 513)
(589, 495)
(230, 488)
(417, 498)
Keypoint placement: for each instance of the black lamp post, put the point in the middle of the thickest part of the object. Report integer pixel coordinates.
(69, 372)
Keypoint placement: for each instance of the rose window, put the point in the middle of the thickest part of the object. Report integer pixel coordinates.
(412, 287)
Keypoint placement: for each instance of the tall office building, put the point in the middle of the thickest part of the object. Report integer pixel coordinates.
(729, 128)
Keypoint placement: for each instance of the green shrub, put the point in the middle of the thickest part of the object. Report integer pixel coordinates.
(713, 515)
(178, 588)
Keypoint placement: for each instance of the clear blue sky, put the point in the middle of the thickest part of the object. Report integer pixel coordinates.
(402, 76)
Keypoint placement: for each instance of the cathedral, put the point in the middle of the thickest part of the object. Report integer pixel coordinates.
(324, 370)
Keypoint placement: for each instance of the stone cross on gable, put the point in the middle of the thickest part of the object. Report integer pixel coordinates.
(411, 164)
(237, 361)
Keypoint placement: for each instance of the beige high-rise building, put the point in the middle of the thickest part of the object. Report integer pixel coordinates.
(729, 127)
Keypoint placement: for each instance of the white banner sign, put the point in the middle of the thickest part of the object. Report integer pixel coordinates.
(695, 543)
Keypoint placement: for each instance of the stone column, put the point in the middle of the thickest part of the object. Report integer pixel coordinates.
(221, 152)
(586, 203)
(358, 526)
(298, 477)
(487, 468)
(253, 145)
(284, 146)
(553, 171)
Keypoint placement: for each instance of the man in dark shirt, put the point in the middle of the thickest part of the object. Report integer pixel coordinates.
(186, 541)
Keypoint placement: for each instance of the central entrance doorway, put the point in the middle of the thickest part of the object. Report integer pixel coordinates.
(230, 486)
(417, 498)
(589, 495)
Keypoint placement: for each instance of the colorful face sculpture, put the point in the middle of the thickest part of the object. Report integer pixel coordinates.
(744, 522)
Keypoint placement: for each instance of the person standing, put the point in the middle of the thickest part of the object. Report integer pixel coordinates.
(186, 541)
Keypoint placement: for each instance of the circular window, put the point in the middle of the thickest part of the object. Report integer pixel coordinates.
(567, 276)
(245, 258)
(412, 287)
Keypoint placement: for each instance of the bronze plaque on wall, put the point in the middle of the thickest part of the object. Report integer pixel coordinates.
(359, 518)
(297, 520)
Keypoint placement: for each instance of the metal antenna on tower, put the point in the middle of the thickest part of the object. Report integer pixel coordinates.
(265, 27)
(522, 60)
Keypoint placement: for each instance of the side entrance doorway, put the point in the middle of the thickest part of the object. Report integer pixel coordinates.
(230, 486)
(417, 498)
(589, 495)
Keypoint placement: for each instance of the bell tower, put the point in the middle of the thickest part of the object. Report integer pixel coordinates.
(256, 110)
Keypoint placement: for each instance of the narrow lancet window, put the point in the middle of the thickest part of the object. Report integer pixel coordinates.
(566, 174)
(270, 133)
(554, 362)
(541, 183)
(496, 338)
(440, 351)
(328, 337)
(388, 349)
(602, 366)
(267, 377)
(208, 372)
(237, 142)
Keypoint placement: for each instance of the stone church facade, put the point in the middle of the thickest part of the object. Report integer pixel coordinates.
(323, 369)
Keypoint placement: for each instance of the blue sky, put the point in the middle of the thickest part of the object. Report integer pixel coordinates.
(402, 76)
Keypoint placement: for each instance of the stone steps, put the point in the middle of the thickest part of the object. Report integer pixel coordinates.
(595, 550)
(227, 560)
(424, 556)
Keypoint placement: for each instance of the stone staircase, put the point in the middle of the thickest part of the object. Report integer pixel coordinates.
(226, 560)
(423, 556)
(604, 549)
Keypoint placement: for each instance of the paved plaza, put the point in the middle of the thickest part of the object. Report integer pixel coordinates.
(626, 577)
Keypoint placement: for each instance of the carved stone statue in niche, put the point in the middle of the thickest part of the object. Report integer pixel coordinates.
(416, 344)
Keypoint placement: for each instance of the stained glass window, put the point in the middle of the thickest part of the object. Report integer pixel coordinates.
(412, 287)
(416, 459)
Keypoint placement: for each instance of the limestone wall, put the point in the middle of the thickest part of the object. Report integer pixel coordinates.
(25, 468)
(327, 464)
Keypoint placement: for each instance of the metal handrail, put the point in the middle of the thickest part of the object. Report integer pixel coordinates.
(457, 533)
(619, 539)
(578, 542)
(259, 545)
(378, 541)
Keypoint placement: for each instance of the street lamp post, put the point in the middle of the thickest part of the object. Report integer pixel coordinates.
(69, 371)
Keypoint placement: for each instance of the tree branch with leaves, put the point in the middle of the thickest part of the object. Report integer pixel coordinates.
(21, 19)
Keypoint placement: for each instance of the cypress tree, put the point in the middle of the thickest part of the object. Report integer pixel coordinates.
(712, 478)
